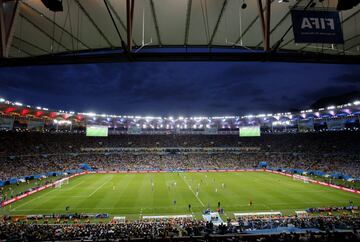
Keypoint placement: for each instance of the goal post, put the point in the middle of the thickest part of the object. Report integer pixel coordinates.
(60, 183)
(304, 179)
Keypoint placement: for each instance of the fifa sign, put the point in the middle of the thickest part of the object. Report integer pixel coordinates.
(317, 23)
(317, 27)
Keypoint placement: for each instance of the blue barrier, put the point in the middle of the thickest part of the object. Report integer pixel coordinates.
(280, 230)
(336, 175)
(85, 167)
(263, 164)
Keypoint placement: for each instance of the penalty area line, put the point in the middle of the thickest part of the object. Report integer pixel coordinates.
(99, 187)
(34, 198)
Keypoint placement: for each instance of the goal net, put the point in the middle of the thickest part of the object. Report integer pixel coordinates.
(304, 179)
(61, 182)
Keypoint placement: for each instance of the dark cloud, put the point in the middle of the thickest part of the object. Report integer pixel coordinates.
(177, 88)
(349, 78)
(331, 91)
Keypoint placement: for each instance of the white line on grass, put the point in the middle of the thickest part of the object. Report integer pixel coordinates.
(72, 187)
(197, 197)
(97, 189)
(33, 199)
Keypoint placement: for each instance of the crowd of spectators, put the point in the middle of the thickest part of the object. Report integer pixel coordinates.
(19, 166)
(24, 154)
(30, 143)
(180, 228)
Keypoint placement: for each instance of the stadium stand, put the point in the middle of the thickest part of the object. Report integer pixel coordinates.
(35, 153)
(188, 230)
(26, 153)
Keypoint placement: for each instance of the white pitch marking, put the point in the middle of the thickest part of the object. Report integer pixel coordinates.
(97, 189)
(197, 197)
(33, 199)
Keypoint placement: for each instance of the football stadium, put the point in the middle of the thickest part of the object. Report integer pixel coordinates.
(194, 120)
(236, 180)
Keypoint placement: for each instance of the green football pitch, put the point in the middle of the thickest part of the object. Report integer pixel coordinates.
(134, 195)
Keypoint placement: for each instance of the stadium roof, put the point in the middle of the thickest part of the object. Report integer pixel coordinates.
(165, 30)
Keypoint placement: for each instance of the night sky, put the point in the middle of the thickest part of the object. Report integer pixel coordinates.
(177, 88)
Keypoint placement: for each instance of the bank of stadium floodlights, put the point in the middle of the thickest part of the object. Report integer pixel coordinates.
(170, 122)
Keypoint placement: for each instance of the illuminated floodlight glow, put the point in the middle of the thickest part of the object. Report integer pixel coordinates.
(2, 100)
(355, 102)
(281, 123)
(62, 122)
(330, 107)
(277, 117)
(86, 114)
(18, 104)
(38, 108)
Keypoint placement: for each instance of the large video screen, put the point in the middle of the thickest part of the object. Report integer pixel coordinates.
(96, 131)
(250, 131)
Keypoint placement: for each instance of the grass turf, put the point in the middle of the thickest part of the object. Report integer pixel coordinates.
(133, 195)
